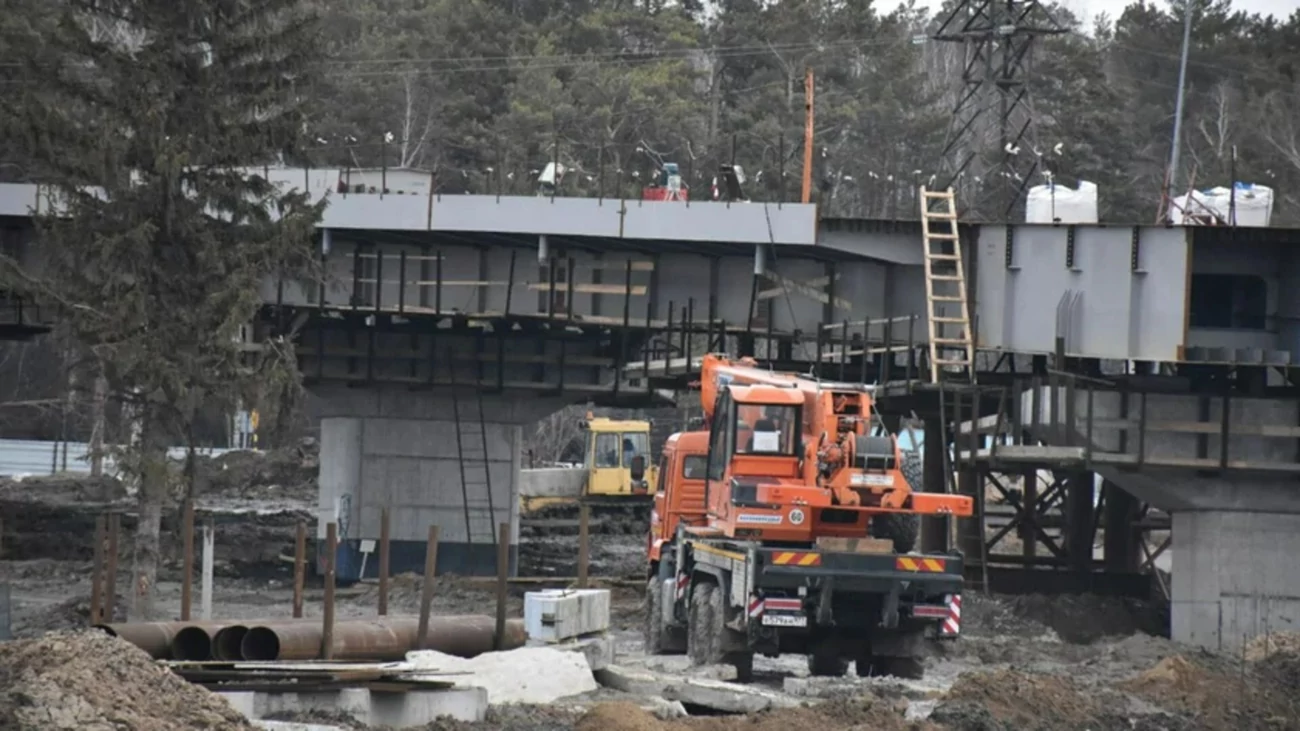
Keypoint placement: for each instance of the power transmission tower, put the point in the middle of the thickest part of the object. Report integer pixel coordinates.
(993, 118)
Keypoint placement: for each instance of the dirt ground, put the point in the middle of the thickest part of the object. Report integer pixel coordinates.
(1025, 662)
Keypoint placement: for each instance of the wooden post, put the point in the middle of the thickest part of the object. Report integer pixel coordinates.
(110, 567)
(299, 568)
(327, 630)
(584, 544)
(503, 575)
(97, 577)
(187, 568)
(383, 562)
(426, 593)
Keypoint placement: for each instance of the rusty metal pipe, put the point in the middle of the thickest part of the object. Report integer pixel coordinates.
(192, 643)
(226, 643)
(389, 638)
(198, 641)
(155, 638)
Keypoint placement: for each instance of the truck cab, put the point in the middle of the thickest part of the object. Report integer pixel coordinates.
(679, 491)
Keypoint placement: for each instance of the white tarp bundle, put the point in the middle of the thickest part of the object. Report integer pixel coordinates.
(1056, 203)
(1253, 206)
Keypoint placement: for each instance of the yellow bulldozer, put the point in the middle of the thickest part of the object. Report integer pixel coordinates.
(617, 478)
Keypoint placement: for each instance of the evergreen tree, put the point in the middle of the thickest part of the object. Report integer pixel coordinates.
(155, 235)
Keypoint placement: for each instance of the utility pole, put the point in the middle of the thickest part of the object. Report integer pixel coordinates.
(807, 137)
(1182, 85)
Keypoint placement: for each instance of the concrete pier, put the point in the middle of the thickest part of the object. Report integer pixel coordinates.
(1236, 576)
(388, 446)
(1236, 529)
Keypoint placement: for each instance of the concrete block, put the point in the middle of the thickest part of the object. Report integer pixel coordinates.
(559, 614)
(552, 482)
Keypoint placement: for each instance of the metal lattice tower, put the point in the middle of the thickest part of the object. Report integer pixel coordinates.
(993, 117)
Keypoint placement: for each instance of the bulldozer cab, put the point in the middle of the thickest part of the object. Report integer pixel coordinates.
(617, 457)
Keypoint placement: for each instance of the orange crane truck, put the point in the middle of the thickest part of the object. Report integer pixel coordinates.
(798, 536)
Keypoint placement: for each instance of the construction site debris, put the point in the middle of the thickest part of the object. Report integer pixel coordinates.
(278, 474)
(863, 712)
(295, 677)
(528, 675)
(341, 720)
(90, 681)
(1073, 618)
(1220, 693)
(1087, 618)
(1275, 643)
(716, 695)
(1011, 699)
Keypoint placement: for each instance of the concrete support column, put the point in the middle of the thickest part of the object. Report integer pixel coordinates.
(934, 529)
(1235, 576)
(394, 448)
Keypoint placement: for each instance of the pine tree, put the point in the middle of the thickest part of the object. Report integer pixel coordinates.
(152, 119)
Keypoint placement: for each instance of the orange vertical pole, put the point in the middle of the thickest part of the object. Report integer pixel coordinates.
(808, 137)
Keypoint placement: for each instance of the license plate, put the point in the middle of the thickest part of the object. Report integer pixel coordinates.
(785, 620)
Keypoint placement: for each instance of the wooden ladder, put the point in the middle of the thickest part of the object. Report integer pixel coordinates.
(951, 345)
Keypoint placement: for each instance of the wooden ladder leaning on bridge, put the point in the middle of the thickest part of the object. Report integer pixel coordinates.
(952, 346)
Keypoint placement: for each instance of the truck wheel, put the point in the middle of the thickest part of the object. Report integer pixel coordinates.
(902, 528)
(703, 638)
(660, 638)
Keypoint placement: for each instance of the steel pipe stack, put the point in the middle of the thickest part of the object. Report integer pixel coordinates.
(156, 638)
(382, 639)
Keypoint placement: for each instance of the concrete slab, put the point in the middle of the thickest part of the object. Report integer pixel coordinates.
(412, 709)
(527, 675)
(598, 648)
(715, 694)
(559, 614)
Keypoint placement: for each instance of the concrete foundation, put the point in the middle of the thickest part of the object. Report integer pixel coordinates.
(390, 447)
(410, 709)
